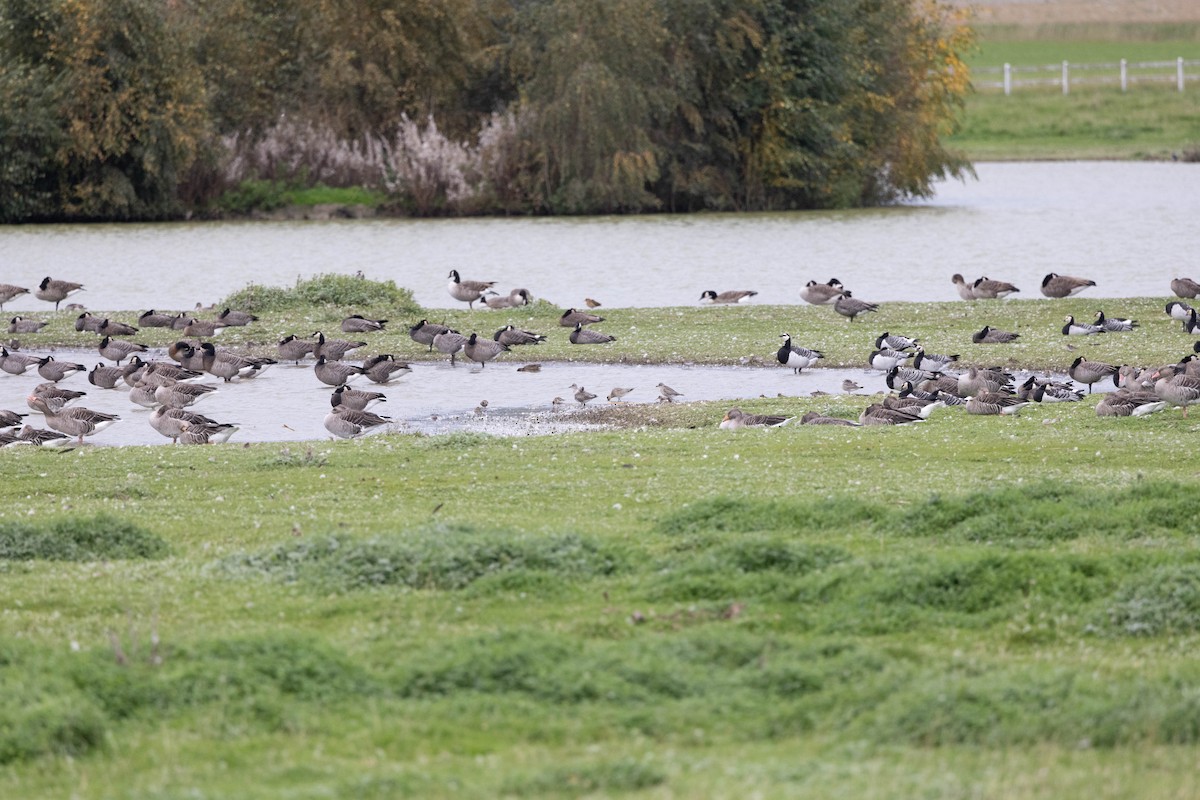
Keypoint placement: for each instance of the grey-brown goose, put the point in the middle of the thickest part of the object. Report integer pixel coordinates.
(231, 317)
(11, 419)
(16, 363)
(75, 421)
(384, 368)
(1126, 402)
(206, 433)
(815, 418)
(582, 395)
(515, 298)
(974, 381)
(188, 355)
(357, 323)
(876, 414)
(169, 422)
(1176, 388)
(53, 395)
(582, 335)
(467, 291)
(8, 292)
(181, 320)
(293, 348)
(181, 394)
(203, 328)
(111, 327)
(118, 349)
(21, 324)
(346, 423)
(711, 297)
(1055, 285)
(333, 349)
(55, 371)
(164, 372)
(357, 399)
(992, 403)
(821, 294)
(736, 418)
(152, 319)
(482, 351)
(922, 407)
(850, 307)
(40, 437)
(142, 394)
(103, 377)
(228, 365)
(424, 331)
(1185, 287)
(988, 335)
(451, 343)
(572, 318)
(335, 373)
(513, 336)
(87, 321)
(987, 289)
(1091, 372)
(964, 289)
(55, 291)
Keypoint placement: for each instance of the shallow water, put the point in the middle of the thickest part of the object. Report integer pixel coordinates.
(1130, 226)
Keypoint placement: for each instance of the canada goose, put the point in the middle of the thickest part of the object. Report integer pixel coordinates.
(293, 348)
(181, 321)
(515, 336)
(1176, 388)
(20, 324)
(894, 341)
(887, 359)
(384, 368)
(1178, 310)
(203, 328)
(357, 399)
(1129, 403)
(335, 373)
(987, 289)
(1073, 328)
(169, 422)
(234, 318)
(76, 421)
(333, 349)
(667, 393)
(933, 362)
(205, 433)
(992, 403)
(736, 418)
(572, 318)
(450, 343)
(118, 349)
(188, 355)
(1055, 285)
(103, 377)
(515, 298)
(617, 393)
(850, 307)
(152, 319)
(424, 331)
(582, 395)
(1185, 287)
(795, 356)
(583, 335)
(357, 323)
(40, 437)
(988, 335)
(1090, 372)
(87, 321)
(8, 292)
(467, 291)
(711, 297)
(111, 327)
(54, 291)
(180, 394)
(228, 365)
(820, 294)
(814, 418)
(965, 290)
(1115, 324)
(16, 363)
(346, 423)
(877, 414)
(482, 351)
(55, 371)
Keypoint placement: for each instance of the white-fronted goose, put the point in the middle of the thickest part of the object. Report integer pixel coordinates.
(228, 365)
(814, 418)
(384, 368)
(1055, 285)
(21, 324)
(1185, 287)
(231, 317)
(358, 399)
(55, 371)
(335, 373)
(1115, 324)
(8, 292)
(87, 321)
(988, 335)
(110, 327)
(53, 395)
(357, 323)
(153, 319)
(451, 343)
(1090, 372)
(992, 403)
(987, 289)
(667, 392)
(850, 307)
(795, 356)
(75, 421)
(1178, 310)
(617, 393)
(181, 395)
(1176, 388)
(964, 289)
(1129, 403)
(582, 395)
(512, 336)
(103, 377)
(711, 297)
(118, 349)
(1073, 328)
(424, 331)
(887, 359)
(346, 423)
(933, 362)
(572, 318)
(735, 418)
(582, 335)
(293, 348)
(894, 341)
(877, 414)
(206, 433)
(821, 294)
(40, 437)
(467, 291)
(16, 363)
(333, 349)
(515, 298)
(55, 291)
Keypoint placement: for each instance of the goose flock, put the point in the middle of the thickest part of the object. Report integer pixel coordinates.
(196, 368)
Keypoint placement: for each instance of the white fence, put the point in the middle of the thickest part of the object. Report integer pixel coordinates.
(1067, 75)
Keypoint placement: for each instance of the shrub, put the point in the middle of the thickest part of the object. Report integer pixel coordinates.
(79, 539)
(324, 290)
(1165, 601)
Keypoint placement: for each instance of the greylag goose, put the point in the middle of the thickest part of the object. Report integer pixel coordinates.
(53, 395)
(617, 393)
(335, 373)
(233, 318)
(357, 399)
(8, 292)
(583, 335)
(1176, 388)
(1073, 328)
(795, 356)
(142, 394)
(987, 335)
(118, 349)
(357, 323)
(181, 395)
(814, 418)
(205, 433)
(424, 331)
(467, 291)
(11, 419)
(512, 336)
(850, 307)
(821, 294)
(515, 298)
(450, 343)
(987, 289)
(572, 318)
(346, 423)
(293, 348)
(922, 407)
(40, 437)
(1185, 287)
(1114, 324)
(21, 324)
(333, 349)
(384, 368)
(169, 421)
(55, 291)
(964, 289)
(76, 421)
(1126, 402)
(152, 319)
(55, 371)
(975, 380)
(877, 414)
(582, 395)
(711, 297)
(736, 418)
(1091, 372)
(1055, 285)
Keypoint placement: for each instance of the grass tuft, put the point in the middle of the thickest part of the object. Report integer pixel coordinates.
(740, 515)
(97, 538)
(346, 291)
(609, 777)
(1163, 601)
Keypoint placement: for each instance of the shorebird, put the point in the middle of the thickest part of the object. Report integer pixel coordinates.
(850, 386)
(582, 396)
(590, 303)
(467, 291)
(666, 393)
(617, 393)
(820, 294)
(725, 298)
(1055, 285)
(794, 356)
(55, 291)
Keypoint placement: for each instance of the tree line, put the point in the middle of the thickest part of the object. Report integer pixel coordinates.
(151, 109)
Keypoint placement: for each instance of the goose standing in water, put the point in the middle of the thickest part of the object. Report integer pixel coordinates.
(451, 343)
(424, 331)
(333, 349)
(76, 421)
(56, 371)
(335, 373)
(467, 291)
(118, 349)
(293, 348)
(617, 393)
(384, 368)
(482, 351)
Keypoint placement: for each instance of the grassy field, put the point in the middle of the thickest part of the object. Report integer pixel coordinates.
(971, 607)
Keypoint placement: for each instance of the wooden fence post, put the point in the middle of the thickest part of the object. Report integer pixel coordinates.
(1124, 75)
(1066, 80)
(1179, 72)
(1007, 79)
